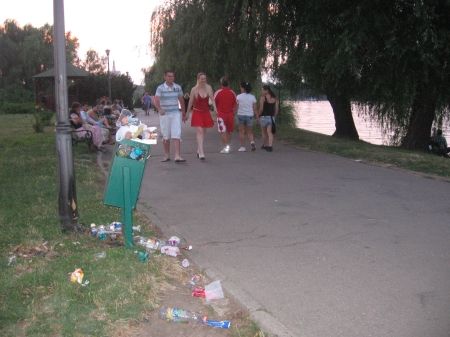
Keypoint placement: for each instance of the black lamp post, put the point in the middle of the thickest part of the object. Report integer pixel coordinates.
(109, 76)
(68, 206)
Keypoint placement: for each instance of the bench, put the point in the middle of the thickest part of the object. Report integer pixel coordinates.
(82, 136)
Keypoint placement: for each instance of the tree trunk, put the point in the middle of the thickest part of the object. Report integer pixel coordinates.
(343, 118)
(421, 120)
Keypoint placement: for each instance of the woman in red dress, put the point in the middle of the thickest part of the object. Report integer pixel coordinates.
(200, 98)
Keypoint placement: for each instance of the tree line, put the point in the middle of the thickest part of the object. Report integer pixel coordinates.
(389, 56)
(26, 51)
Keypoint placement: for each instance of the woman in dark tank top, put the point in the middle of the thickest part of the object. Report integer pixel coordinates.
(268, 110)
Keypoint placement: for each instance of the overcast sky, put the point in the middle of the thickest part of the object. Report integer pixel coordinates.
(121, 26)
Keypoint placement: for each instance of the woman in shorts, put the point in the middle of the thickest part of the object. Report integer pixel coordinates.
(246, 111)
(268, 110)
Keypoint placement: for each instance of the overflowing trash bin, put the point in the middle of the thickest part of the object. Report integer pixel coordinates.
(124, 181)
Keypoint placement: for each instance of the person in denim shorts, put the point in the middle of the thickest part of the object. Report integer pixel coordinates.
(268, 110)
(246, 110)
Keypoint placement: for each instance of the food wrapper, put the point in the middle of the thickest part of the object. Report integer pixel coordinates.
(77, 277)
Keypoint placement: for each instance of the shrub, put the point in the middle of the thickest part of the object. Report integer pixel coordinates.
(42, 118)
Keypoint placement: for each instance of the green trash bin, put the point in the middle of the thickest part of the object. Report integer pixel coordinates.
(124, 181)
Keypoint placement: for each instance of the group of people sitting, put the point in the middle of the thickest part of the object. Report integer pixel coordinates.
(99, 120)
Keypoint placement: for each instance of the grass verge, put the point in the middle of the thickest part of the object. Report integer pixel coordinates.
(36, 297)
(378, 154)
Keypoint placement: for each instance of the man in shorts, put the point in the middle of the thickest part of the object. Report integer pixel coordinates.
(225, 99)
(168, 100)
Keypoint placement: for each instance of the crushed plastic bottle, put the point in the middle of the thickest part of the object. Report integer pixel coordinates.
(170, 251)
(185, 263)
(148, 243)
(12, 260)
(101, 234)
(179, 315)
(100, 255)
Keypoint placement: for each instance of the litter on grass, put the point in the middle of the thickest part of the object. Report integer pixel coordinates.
(212, 291)
(77, 277)
(180, 315)
(185, 263)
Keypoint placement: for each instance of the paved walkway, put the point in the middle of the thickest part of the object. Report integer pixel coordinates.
(313, 244)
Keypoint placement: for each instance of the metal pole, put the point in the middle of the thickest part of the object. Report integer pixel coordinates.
(68, 210)
(109, 76)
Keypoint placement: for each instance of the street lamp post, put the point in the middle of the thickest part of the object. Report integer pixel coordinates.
(68, 209)
(109, 76)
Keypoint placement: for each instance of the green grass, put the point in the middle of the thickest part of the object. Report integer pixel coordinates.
(36, 298)
(378, 154)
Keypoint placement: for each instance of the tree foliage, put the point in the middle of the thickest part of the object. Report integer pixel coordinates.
(93, 63)
(24, 52)
(216, 37)
(391, 56)
(95, 86)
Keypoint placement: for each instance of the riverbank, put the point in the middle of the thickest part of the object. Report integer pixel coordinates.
(123, 295)
(421, 162)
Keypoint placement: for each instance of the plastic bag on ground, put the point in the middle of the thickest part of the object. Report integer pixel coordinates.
(214, 291)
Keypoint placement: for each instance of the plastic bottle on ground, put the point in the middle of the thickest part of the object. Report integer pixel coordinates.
(179, 315)
(170, 250)
(93, 229)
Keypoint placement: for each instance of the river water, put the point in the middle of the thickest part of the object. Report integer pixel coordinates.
(318, 116)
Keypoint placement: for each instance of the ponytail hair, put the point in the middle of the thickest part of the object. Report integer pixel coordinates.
(247, 87)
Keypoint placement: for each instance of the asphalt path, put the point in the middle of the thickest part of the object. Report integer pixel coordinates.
(313, 244)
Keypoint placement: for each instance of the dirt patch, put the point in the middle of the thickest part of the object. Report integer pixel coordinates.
(177, 292)
(30, 251)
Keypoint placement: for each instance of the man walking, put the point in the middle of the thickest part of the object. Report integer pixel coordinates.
(168, 101)
(146, 103)
(226, 104)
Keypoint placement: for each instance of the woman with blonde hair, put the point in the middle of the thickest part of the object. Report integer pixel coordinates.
(199, 101)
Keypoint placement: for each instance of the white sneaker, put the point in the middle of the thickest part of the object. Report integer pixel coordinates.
(242, 149)
(226, 149)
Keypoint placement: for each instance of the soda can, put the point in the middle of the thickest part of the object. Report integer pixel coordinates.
(93, 229)
(117, 226)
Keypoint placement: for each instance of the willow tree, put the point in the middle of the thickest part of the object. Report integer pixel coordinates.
(391, 55)
(408, 70)
(312, 49)
(217, 37)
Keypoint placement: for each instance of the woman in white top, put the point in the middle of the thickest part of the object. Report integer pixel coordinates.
(246, 110)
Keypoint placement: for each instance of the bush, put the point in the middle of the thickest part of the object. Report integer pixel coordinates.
(42, 117)
(17, 108)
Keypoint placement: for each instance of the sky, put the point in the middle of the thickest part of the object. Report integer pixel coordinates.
(123, 27)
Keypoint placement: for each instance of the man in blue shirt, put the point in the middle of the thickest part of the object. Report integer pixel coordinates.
(169, 103)
(146, 103)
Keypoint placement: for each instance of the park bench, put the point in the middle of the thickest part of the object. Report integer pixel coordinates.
(82, 136)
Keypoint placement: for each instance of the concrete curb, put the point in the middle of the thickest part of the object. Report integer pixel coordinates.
(257, 312)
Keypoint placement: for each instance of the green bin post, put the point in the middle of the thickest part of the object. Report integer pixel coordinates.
(124, 184)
